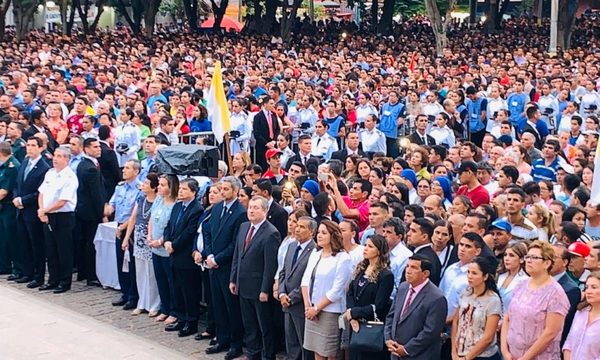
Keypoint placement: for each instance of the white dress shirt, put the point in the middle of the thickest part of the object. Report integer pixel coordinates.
(60, 185)
(332, 276)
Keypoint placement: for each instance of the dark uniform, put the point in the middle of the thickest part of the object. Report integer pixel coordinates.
(10, 261)
(18, 149)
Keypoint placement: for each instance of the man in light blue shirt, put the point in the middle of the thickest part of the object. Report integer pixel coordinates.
(76, 147)
(394, 231)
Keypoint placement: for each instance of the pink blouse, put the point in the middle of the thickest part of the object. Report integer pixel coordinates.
(583, 337)
(527, 318)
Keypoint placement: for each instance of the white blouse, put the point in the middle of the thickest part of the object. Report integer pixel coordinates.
(331, 278)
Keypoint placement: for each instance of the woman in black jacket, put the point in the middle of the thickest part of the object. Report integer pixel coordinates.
(369, 292)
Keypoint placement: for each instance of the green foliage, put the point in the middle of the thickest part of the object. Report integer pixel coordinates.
(173, 8)
(524, 6)
(417, 7)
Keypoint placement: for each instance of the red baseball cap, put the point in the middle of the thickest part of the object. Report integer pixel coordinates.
(272, 152)
(579, 249)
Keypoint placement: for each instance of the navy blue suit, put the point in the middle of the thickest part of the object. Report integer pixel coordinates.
(574, 296)
(219, 241)
(30, 230)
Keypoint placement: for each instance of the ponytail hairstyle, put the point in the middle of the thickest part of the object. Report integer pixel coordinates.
(489, 269)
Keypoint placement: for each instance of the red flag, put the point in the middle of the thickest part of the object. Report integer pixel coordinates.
(412, 62)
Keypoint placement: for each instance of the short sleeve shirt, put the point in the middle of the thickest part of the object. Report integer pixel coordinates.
(363, 210)
(478, 196)
(473, 312)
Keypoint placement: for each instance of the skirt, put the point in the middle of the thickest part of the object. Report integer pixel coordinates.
(323, 335)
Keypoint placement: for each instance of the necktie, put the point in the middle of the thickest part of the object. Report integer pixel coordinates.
(224, 211)
(270, 123)
(248, 238)
(296, 254)
(411, 294)
(318, 141)
(424, 140)
(180, 215)
(28, 169)
(304, 159)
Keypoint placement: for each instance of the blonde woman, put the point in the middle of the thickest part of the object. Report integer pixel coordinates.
(543, 219)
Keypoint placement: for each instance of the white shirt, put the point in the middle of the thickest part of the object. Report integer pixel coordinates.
(453, 283)
(332, 276)
(373, 140)
(357, 256)
(282, 253)
(60, 186)
(362, 111)
(127, 134)
(398, 259)
(325, 147)
(506, 293)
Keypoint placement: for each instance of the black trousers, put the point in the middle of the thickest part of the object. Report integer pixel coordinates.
(59, 247)
(126, 279)
(187, 293)
(85, 231)
(227, 309)
(210, 312)
(258, 328)
(33, 252)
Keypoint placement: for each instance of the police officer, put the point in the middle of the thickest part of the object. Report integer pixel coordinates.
(121, 204)
(14, 131)
(10, 262)
(58, 200)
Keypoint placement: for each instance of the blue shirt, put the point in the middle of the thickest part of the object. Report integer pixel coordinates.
(475, 108)
(389, 116)
(74, 162)
(200, 125)
(516, 105)
(124, 199)
(153, 99)
(334, 125)
(146, 165)
(540, 171)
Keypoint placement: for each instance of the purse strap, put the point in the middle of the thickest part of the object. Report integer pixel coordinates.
(312, 278)
(375, 313)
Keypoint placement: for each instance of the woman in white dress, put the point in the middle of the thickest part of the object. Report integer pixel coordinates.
(512, 272)
(239, 123)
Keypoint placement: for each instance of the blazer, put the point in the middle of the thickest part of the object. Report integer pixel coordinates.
(420, 329)
(416, 139)
(436, 265)
(90, 192)
(162, 139)
(183, 234)
(278, 217)
(343, 154)
(32, 130)
(574, 296)
(260, 128)
(219, 238)
(290, 276)
(109, 167)
(361, 301)
(27, 188)
(538, 139)
(312, 162)
(253, 268)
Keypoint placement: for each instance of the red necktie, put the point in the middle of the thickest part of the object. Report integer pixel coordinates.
(248, 238)
(411, 294)
(270, 123)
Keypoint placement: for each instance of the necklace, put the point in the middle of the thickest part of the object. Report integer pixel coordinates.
(146, 212)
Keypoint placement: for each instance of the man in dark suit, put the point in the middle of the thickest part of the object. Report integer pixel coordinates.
(109, 165)
(179, 238)
(304, 157)
(219, 245)
(352, 148)
(414, 325)
(252, 272)
(559, 272)
(38, 125)
(289, 292)
(167, 124)
(31, 233)
(266, 128)
(89, 211)
(533, 116)
(277, 214)
(420, 137)
(418, 240)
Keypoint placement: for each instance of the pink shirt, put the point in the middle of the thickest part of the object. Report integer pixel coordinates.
(527, 318)
(417, 290)
(363, 211)
(583, 337)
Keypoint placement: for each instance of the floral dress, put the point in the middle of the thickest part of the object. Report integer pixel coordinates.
(141, 250)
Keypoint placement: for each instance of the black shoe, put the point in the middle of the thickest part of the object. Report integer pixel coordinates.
(233, 353)
(190, 328)
(213, 341)
(129, 306)
(120, 302)
(175, 326)
(93, 283)
(23, 280)
(203, 336)
(48, 287)
(61, 289)
(215, 349)
(13, 277)
(33, 284)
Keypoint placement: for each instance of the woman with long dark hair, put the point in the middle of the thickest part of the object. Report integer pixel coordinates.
(480, 308)
(369, 292)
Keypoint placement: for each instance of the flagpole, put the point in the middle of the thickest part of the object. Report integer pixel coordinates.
(228, 152)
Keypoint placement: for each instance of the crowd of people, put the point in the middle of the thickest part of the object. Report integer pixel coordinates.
(446, 200)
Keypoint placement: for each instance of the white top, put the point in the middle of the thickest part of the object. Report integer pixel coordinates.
(282, 253)
(332, 276)
(398, 259)
(357, 256)
(373, 140)
(127, 134)
(325, 147)
(507, 293)
(60, 186)
(453, 283)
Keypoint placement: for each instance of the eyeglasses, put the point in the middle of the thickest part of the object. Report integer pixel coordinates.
(533, 257)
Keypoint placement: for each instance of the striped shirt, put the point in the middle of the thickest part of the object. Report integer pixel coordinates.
(523, 230)
(541, 171)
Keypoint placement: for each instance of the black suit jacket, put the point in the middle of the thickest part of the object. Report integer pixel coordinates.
(436, 265)
(27, 188)
(109, 167)
(574, 295)
(416, 139)
(162, 139)
(219, 238)
(183, 234)
(312, 164)
(539, 142)
(261, 129)
(290, 276)
(343, 154)
(90, 192)
(32, 130)
(377, 293)
(278, 217)
(253, 268)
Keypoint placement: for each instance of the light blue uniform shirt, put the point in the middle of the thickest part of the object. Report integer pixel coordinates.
(123, 200)
(453, 283)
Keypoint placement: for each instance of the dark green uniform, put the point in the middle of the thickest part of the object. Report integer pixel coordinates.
(18, 149)
(9, 251)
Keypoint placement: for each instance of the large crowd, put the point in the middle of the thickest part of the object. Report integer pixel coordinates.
(381, 201)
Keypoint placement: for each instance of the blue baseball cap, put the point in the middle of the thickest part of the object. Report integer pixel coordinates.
(501, 224)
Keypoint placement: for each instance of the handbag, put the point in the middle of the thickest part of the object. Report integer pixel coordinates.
(369, 336)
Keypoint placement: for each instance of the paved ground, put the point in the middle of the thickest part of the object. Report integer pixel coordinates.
(82, 323)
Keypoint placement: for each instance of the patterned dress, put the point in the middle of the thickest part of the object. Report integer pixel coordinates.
(141, 249)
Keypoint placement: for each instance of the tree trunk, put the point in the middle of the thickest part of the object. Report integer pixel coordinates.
(491, 23)
(3, 10)
(191, 12)
(288, 18)
(71, 20)
(374, 12)
(23, 16)
(218, 13)
(100, 7)
(134, 26)
(269, 19)
(82, 11)
(385, 24)
(439, 27)
(566, 22)
(503, 7)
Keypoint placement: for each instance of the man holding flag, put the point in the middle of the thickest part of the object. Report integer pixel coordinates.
(218, 112)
